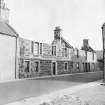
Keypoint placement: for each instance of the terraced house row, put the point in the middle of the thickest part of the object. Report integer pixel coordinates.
(40, 59)
(22, 58)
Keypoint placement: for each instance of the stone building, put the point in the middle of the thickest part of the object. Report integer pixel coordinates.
(23, 58)
(40, 59)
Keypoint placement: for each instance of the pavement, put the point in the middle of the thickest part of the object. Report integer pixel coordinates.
(92, 93)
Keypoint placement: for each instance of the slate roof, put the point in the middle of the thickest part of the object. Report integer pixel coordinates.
(88, 49)
(6, 29)
(67, 44)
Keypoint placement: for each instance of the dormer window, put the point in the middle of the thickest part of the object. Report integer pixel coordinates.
(53, 50)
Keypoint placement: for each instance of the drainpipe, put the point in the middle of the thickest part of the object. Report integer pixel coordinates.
(103, 52)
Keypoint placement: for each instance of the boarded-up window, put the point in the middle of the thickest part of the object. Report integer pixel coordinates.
(36, 48)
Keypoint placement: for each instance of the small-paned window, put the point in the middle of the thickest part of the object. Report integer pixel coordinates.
(27, 66)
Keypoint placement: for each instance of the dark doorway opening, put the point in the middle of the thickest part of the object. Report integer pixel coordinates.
(54, 68)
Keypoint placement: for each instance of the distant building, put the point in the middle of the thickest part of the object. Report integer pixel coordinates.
(90, 57)
(100, 60)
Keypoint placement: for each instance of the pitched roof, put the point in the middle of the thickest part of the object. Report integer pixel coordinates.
(67, 44)
(6, 29)
(88, 48)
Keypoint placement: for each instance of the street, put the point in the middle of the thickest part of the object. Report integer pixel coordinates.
(18, 90)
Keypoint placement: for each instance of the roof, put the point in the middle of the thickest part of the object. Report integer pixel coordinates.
(67, 44)
(6, 29)
(88, 48)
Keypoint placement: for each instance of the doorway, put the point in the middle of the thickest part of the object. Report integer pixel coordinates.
(54, 68)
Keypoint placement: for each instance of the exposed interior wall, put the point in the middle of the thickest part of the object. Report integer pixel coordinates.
(7, 57)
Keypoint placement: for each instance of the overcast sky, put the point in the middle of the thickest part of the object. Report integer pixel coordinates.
(79, 19)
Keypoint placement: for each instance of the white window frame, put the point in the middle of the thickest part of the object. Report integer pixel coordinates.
(34, 48)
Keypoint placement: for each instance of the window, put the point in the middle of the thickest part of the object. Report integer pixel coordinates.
(27, 66)
(93, 66)
(64, 52)
(86, 55)
(93, 56)
(36, 48)
(41, 48)
(77, 53)
(36, 68)
(66, 66)
(77, 65)
(53, 50)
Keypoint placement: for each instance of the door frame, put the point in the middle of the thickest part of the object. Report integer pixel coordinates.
(55, 68)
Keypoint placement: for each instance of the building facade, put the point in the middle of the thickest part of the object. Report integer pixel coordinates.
(23, 58)
(40, 59)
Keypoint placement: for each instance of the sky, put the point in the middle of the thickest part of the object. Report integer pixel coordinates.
(78, 19)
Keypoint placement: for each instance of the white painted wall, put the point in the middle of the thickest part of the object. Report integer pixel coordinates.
(7, 57)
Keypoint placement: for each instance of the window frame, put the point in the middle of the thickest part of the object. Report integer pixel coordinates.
(77, 63)
(41, 48)
(53, 50)
(65, 66)
(37, 43)
(29, 66)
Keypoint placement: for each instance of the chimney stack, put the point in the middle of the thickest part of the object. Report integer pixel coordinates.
(57, 32)
(85, 43)
(4, 12)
